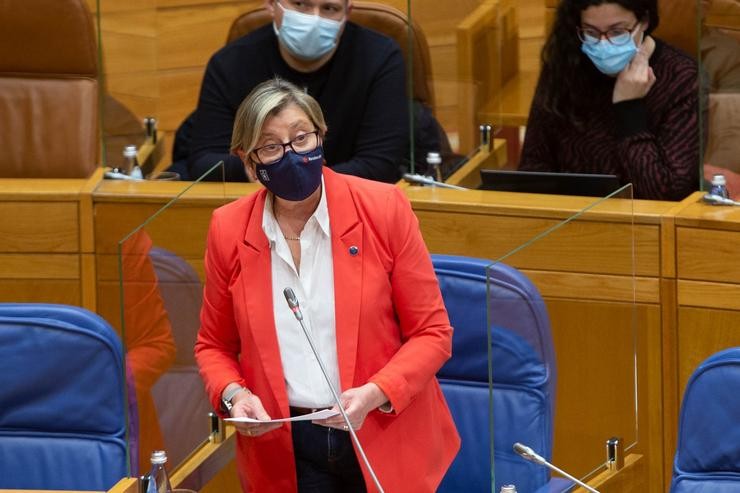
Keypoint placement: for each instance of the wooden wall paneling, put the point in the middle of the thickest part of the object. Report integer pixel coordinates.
(580, 247)
(669, 371)
(39, 226)
(703, 332)
(708, 255)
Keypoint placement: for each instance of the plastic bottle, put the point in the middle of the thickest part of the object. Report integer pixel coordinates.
(434, 162)
(508, 488)
(130, 163)
(159, 482)
(719, 186)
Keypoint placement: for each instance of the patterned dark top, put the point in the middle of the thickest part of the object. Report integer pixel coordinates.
(652, 142)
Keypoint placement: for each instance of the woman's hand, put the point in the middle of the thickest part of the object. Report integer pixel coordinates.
(636, 80)
(357, 403)
(246, 404)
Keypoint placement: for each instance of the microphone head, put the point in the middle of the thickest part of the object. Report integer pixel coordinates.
(291, 298)
(527, 453)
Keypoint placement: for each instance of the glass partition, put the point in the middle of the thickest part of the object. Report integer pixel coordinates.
(468, 52)
(149, 288)
(719, 55)
(563, 320)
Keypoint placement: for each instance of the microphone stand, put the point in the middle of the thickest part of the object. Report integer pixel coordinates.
(425, 180)
(530, 455)
(292, 300)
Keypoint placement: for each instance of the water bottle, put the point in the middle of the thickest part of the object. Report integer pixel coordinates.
(719, 186)
(434, 161)
(508, 488)
(158, 480)
(130, 162)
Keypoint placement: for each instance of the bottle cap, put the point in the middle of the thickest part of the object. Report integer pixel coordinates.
(434, 158)
(129, 151)
(719, 179)
(159, 457)
(508, 488)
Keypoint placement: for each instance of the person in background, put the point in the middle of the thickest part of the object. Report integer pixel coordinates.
(357, 75)
(352, 252)
(611, 99)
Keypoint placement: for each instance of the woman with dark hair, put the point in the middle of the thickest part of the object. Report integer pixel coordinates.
(612, 99)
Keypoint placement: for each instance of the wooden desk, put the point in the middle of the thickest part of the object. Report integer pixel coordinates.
(683, 299)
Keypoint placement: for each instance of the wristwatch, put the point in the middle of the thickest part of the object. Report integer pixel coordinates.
(228, 396)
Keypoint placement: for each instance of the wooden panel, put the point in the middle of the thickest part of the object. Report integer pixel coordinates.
(709, 295)
(176, 28)
(39, 266)
(40, 291)
(701, 333)
(710, 255)
(595, 344)
(579, 246)
(595, 287)
(39, 227)
(181, 230)
(179, 97)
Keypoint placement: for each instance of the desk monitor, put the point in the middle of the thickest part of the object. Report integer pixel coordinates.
(545, 182)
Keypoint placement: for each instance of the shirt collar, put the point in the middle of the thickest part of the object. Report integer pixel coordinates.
(270, 225)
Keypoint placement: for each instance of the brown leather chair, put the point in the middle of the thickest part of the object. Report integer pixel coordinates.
(381, 18)
(48, 89)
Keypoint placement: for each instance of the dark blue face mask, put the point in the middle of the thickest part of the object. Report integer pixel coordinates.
(295, 176)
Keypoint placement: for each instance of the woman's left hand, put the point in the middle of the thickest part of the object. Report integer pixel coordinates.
(636, 80)
(357, 403)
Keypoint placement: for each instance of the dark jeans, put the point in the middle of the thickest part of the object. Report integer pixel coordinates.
(325, 460)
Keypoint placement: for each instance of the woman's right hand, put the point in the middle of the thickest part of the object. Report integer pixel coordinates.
(248, 405)
(636, 80)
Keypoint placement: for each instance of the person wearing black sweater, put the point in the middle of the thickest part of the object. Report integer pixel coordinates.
(359, 81)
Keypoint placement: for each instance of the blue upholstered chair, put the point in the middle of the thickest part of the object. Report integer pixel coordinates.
(708, 452)
(63, 409)
(523, 375)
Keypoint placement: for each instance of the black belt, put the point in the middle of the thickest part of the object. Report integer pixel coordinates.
(300, 411)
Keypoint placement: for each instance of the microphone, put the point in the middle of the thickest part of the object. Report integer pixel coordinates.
(530, 455)
(426, 180)
(292, 300)
(714, 199)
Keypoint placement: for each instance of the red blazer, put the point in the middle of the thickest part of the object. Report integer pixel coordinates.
(392, 329)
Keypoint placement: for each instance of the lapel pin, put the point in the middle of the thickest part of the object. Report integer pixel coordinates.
(353, 250)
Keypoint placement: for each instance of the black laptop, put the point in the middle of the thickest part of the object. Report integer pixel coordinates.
(552, 183)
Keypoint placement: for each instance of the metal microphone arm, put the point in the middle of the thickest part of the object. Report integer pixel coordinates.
(530, 455)
(714, 199)
(425, 180)
(292, 300)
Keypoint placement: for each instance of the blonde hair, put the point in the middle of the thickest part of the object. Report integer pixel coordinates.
(268, 99)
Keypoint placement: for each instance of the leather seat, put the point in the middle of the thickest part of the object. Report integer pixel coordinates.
(48, 90)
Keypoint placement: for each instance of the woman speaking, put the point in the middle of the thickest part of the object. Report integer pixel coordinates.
(351, 251)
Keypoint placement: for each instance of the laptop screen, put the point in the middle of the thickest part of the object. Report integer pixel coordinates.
(550, 183)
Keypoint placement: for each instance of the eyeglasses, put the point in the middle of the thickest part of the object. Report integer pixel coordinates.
(618, 36)
(302, 144)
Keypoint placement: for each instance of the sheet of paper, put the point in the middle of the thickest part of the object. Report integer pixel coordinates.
(323, 414)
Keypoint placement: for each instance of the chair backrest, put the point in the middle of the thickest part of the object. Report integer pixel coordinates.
(48, 89)
(509, 317)
(381, 18)
(708, 451)
(63, 410)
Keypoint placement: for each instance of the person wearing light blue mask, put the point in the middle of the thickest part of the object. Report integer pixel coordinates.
(613, 99)
(308, 37)
(357, 75)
